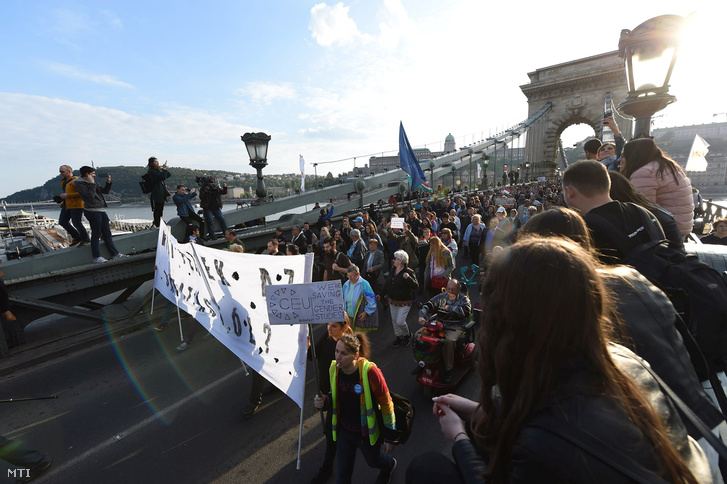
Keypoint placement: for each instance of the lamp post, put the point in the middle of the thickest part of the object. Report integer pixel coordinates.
(470, 177)
(454, 174)
(257, 149)
(315, 175)
(527, 172)
(649, 52)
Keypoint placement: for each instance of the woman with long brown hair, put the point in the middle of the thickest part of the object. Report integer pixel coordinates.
(548, 371)
(325, 354)
(362, 409)
(660, 179)
(440, 265)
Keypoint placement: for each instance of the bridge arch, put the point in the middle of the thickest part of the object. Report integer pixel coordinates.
(577, 91)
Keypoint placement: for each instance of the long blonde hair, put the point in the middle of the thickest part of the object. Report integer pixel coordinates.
(436, 248)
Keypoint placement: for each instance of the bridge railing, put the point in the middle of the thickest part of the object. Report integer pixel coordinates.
(713, 211)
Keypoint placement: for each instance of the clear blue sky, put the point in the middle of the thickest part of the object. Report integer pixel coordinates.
(118, 81)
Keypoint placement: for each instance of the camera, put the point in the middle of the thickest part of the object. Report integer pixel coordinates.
(206, 183)
(607, 114)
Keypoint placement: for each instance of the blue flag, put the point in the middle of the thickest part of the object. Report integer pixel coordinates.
(410, 164)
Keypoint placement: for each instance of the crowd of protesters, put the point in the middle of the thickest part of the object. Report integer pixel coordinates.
(578, 378)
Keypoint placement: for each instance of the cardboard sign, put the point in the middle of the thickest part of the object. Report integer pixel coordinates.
(397, 223)
(312, 303)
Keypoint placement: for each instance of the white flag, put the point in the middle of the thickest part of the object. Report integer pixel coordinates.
(225, 292)
(697, 160)
(302, 174)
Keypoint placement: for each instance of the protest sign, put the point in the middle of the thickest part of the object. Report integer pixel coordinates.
(397, 223)
(225, 292)
(313, 303)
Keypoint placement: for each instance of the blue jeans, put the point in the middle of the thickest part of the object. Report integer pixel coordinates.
(76, 230)
(99, 222)
(346, 444)
(210, 222)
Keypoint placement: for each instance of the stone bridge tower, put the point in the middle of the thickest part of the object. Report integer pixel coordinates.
(576, 90)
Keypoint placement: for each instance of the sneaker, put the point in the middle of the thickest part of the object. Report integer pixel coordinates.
(405, 340)
(99, 260)
(322, 476)
(385, 476)
(119, 256)
(74, 243)
(207, 336)
(183, 346)
(37, 470)
(161, 327)
(397, 342)
(84, 243)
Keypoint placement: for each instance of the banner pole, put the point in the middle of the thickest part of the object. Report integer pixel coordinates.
(315, 369)
(179, 318)
(153, 290)
(300, 426)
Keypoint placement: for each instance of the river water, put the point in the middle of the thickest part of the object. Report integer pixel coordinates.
(142, 210)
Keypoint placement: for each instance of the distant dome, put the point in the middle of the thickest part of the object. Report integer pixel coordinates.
(449, 144)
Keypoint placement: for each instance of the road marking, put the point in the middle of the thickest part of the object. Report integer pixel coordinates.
(136, 427)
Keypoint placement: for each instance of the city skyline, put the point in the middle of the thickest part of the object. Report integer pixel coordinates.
(116, 82)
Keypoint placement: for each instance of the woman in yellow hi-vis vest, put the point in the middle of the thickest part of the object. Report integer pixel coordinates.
(358, 393)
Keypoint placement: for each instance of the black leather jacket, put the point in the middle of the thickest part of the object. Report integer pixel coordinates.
(544, 457)
(650, 319)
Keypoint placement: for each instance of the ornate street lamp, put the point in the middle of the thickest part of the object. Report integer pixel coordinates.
(527, 172)
(257, 149)
(649, 52)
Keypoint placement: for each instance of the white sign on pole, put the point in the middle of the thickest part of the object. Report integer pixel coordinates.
(313, 303)
(225, 292)
(397, 223)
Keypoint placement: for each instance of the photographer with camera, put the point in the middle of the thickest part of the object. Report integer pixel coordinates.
(185, 210)
(211, 197)
(159, 193)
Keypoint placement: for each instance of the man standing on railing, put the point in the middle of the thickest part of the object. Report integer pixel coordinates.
(71, 208)
(159, 193)
(95, 212)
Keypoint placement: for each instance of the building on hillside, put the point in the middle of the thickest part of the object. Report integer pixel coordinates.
(235, 192)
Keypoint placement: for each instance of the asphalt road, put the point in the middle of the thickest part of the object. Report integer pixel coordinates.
(137, 410)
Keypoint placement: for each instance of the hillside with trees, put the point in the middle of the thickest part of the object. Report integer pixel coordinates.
(125, 180)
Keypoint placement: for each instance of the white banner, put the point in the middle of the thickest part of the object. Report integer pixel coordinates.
(225, 292)
(697, 156)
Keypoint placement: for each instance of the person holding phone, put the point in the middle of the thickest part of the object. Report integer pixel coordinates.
(95, 212)
(159, 193)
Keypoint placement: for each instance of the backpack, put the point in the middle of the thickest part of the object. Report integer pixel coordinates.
(697, 291)
(404, 414)
(145, 184)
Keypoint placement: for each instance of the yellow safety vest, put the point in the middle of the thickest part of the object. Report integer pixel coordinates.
(368, 412)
